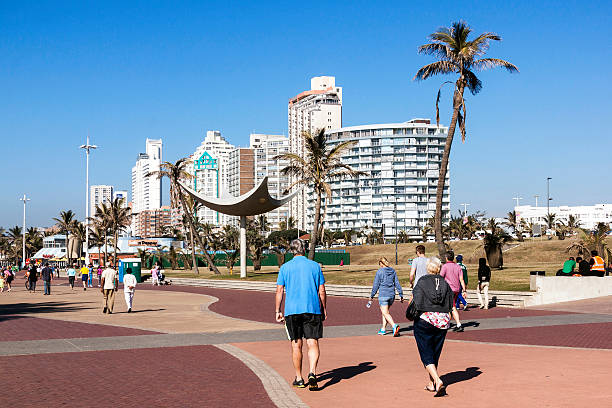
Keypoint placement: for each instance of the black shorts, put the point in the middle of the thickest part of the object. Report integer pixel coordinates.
(305, 325)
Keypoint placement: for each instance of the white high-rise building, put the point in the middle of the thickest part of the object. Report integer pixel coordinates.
(210, 171)
(99, 194)
(147, 187)
(318, 108)
(266, 148)
(401, 162)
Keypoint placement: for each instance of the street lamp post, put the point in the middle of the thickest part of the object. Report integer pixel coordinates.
(536, 199)
(87, 147)
(23, 258)
(548, 202)
(518, 199)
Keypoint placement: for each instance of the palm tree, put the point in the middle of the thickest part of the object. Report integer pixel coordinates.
(514, 221)
(457, 55)
(176, 172)
(493, 243)
(97, 236)
(15, 242)
(101, 222)
(119, 220)
(321, 165)
(78, 232)
(64, 223)
(573, 223)
(230, 246)
(593, 240)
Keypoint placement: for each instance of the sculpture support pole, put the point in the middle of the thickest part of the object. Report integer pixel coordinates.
(243, 247)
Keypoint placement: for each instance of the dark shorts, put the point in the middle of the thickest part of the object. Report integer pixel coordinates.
(305, 325)
(84, 278)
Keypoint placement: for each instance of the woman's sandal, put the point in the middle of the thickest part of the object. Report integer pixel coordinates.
(440, 390)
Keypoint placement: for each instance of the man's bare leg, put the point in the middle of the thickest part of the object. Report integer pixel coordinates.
(313, 354)
(296, 353)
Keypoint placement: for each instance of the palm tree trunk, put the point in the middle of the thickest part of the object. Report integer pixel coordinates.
(115, 247)
(442, 174)
(105, 247)
(193, 254)
(199, 239)
(315, 228)
(67, 247)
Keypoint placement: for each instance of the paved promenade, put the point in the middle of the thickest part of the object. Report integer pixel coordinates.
(207, 347)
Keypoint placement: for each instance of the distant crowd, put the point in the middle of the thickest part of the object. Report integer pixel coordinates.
(581, 267)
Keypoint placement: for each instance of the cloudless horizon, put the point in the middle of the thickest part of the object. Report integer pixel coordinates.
(124, 72)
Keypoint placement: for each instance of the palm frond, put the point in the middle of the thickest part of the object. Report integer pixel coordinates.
(488, 63)
(472, 82)
(436, 68)
(442, 50)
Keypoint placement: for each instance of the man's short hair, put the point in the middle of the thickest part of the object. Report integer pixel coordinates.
(420, 249)
(450, 255)
(578, 259)
(298, 246)
(128, 270)
(571, 258)
(593, 253)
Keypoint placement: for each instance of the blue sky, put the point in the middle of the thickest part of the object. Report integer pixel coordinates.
(125, 71)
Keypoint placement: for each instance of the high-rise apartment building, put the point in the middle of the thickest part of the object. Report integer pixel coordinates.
(154, 223)
(266, 148)
(401, 162)
(99, 194)
(210, 171)
(318, 108)
(241, 171)
(147, 187)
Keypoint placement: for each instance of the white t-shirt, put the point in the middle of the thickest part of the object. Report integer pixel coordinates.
(109, 275)
(129, 280)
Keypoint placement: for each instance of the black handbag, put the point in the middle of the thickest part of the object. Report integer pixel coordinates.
(411, 311)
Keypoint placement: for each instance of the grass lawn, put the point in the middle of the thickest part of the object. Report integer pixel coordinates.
(519, 259)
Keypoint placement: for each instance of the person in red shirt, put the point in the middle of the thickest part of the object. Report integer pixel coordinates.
(453, 275)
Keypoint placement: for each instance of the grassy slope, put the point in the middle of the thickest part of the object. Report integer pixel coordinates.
(519, 259)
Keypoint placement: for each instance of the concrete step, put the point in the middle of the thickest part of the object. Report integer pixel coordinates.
(501, 298)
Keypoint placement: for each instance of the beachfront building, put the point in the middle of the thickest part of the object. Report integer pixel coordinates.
(588, 215)
(155, 223)
(318, 108)
(210, 171)
(401, 163)
(146, 187)
(99, 194)
(266, 148)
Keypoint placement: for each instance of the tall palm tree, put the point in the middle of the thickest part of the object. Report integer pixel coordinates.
(101, 222)
(322, 164)
(15, 242)
(119, 220)
(514, 221)
(78, 232)
(459, 56)
(64, 223)
(96, 238)
(176, 172)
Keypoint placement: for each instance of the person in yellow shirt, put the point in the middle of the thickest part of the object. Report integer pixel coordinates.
(84, 276)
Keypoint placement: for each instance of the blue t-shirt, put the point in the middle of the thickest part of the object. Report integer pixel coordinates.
(71, 272)
(301, 278)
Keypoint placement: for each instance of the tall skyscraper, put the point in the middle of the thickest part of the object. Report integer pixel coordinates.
(210, 171)
(99, 194)
(318, 108)
(266, 148)
(146, 187)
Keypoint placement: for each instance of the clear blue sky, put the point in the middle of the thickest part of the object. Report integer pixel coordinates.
(125, 71)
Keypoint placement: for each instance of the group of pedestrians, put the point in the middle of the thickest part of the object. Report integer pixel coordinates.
(7, 275)
(436, 291)
(593, 267)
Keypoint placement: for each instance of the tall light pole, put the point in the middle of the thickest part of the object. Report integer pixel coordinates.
(465, 206)
(548, 195)
(87, 147)
(518, 199)
(536, 199)
(25, 200)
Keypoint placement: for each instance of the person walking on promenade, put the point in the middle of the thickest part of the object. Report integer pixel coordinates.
(155, 275)
(386, 282)
(129, 287)
(305, 309)
(453, 275)
(460, 299)
(419, 265)
(8, 277)
(71, 273)
(109, 285)
(597, 265)
(433, 298)
(484, 277)
(33, 277)
(90, 276)
(99, 270)
(84, 271)
(47, 275)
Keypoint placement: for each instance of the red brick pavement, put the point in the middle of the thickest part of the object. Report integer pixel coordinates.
(592, 335)
(258, 306)
(201, 376)
(17, 328)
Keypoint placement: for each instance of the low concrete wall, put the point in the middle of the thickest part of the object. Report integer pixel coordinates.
(553, 289)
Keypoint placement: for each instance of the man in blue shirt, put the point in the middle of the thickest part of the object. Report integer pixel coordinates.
(303, 281)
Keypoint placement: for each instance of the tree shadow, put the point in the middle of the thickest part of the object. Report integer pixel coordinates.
(458, 376)
(344, 373)
(41, 307)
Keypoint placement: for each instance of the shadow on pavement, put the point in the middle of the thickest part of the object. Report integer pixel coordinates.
(41, 307)
(144, 310)
(344, 373)
(458, 376)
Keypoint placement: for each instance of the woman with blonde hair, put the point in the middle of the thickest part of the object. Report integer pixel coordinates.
(386, 282)
(433, 299)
